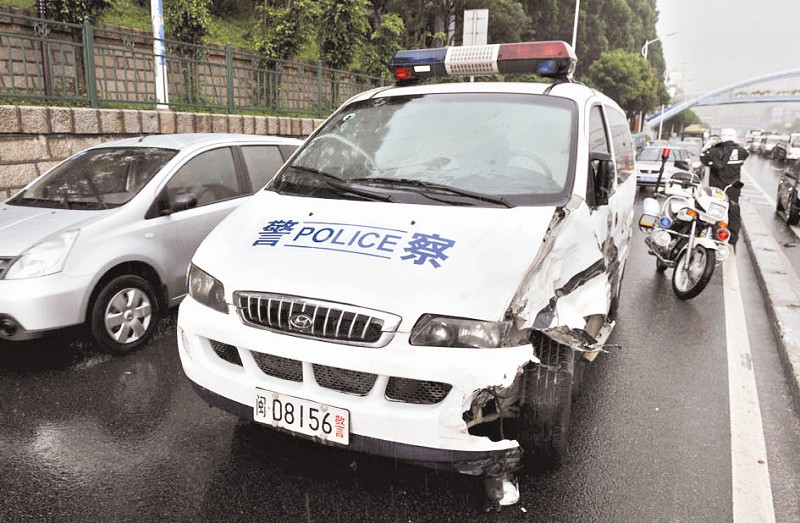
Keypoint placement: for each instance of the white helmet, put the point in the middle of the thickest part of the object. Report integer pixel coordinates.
(727, 135)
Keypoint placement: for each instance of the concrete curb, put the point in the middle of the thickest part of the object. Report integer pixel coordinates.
(781, 287)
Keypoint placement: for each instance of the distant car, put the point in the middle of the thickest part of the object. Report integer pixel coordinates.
(694, 146)
(105, 237)
(648, 163)
(768, 143)
(788, 201)
(788, 149)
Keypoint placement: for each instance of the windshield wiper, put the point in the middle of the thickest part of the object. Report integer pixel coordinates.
(418, 184)
(343, 185)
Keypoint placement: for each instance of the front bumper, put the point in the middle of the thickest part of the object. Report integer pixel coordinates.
(35, 307)
(427, 433)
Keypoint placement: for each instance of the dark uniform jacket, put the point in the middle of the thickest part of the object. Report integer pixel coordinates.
(725, 160)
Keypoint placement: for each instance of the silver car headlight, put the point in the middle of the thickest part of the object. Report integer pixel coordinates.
(444, 331)
(45, 258)
(206, 289)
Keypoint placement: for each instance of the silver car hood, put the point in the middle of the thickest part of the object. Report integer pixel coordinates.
(22, 227)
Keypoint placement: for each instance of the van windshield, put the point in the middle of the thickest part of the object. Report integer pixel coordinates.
(516, 149)
(96, 179)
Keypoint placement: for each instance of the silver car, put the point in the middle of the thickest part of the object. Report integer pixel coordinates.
(104, 238)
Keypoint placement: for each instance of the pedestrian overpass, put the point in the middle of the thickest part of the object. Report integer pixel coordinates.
(708, 98)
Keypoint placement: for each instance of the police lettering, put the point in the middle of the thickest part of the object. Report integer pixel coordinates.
(347, 238)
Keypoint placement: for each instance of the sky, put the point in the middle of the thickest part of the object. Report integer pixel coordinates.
(720, 42)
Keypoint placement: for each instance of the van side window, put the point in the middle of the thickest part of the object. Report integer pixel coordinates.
(623, 148)
(210, 176)
(598, 142)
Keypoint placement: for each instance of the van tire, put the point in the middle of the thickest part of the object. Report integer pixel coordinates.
(547, 404)
(124, 314)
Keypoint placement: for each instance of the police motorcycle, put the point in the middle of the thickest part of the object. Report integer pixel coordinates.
(688, 232)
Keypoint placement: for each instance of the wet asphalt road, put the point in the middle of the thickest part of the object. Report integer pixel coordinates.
(88, 437)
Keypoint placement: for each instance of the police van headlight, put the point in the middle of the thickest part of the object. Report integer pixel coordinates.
(206, 289)
(444, 331)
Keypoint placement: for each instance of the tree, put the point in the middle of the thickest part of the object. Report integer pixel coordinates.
(507, 20)
(284, 28)
(629, 79)
(343, 25)
(684, 119)
(74, 11)
(187, 20)
(603, 25)
(384, 42)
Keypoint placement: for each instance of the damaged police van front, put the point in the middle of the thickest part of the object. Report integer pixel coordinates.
(429, 274)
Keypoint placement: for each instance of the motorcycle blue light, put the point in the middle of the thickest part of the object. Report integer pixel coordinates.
(665, 222)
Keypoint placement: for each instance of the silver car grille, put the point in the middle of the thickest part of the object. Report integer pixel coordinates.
(316, 319)
(5, 263)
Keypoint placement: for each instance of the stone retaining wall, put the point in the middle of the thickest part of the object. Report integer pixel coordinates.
(33, 139)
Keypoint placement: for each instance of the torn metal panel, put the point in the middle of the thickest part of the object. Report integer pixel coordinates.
(571, 277)
(492, 403)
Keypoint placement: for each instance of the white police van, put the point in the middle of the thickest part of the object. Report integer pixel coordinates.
(428, 275)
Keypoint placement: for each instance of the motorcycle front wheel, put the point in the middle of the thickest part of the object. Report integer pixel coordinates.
(688, 282)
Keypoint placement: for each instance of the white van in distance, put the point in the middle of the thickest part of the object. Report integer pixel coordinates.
(428, 275)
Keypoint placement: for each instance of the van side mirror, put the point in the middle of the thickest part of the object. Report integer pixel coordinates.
(602, 172)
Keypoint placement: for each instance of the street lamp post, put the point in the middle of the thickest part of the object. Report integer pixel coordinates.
(575, 24)
(647, 43)
(644, 54)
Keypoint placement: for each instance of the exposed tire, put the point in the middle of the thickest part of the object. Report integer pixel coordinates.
(660, 265)
(124, 314)
(778, 206)
(688, 283)
(613, 308)
(581, 367)
(545, 411)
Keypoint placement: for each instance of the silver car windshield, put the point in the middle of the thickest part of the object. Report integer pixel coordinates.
(460, 149)
(96, 179)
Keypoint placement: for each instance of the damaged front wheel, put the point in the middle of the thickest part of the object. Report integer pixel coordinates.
(546, 406)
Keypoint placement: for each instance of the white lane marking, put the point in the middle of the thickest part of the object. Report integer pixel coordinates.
(752, 491)
(752, 181)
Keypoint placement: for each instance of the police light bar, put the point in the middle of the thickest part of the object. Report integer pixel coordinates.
(555, 59)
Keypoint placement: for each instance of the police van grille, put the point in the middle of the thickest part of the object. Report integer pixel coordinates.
(320, 320)
(226, 352)
(417, 391)
(278, 367)
(343, 380)
(5, 263)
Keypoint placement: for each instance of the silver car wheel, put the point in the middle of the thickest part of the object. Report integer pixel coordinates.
(128, 315)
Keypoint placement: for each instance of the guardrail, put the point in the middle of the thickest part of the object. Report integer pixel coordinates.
(97, 66)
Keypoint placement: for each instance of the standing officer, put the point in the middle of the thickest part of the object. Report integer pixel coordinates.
(725, 158)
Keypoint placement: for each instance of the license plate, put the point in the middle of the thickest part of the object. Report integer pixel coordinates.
(303, 416)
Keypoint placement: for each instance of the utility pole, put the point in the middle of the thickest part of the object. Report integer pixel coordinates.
(159, 60)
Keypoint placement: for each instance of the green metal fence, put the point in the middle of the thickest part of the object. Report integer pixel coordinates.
(98, 66)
